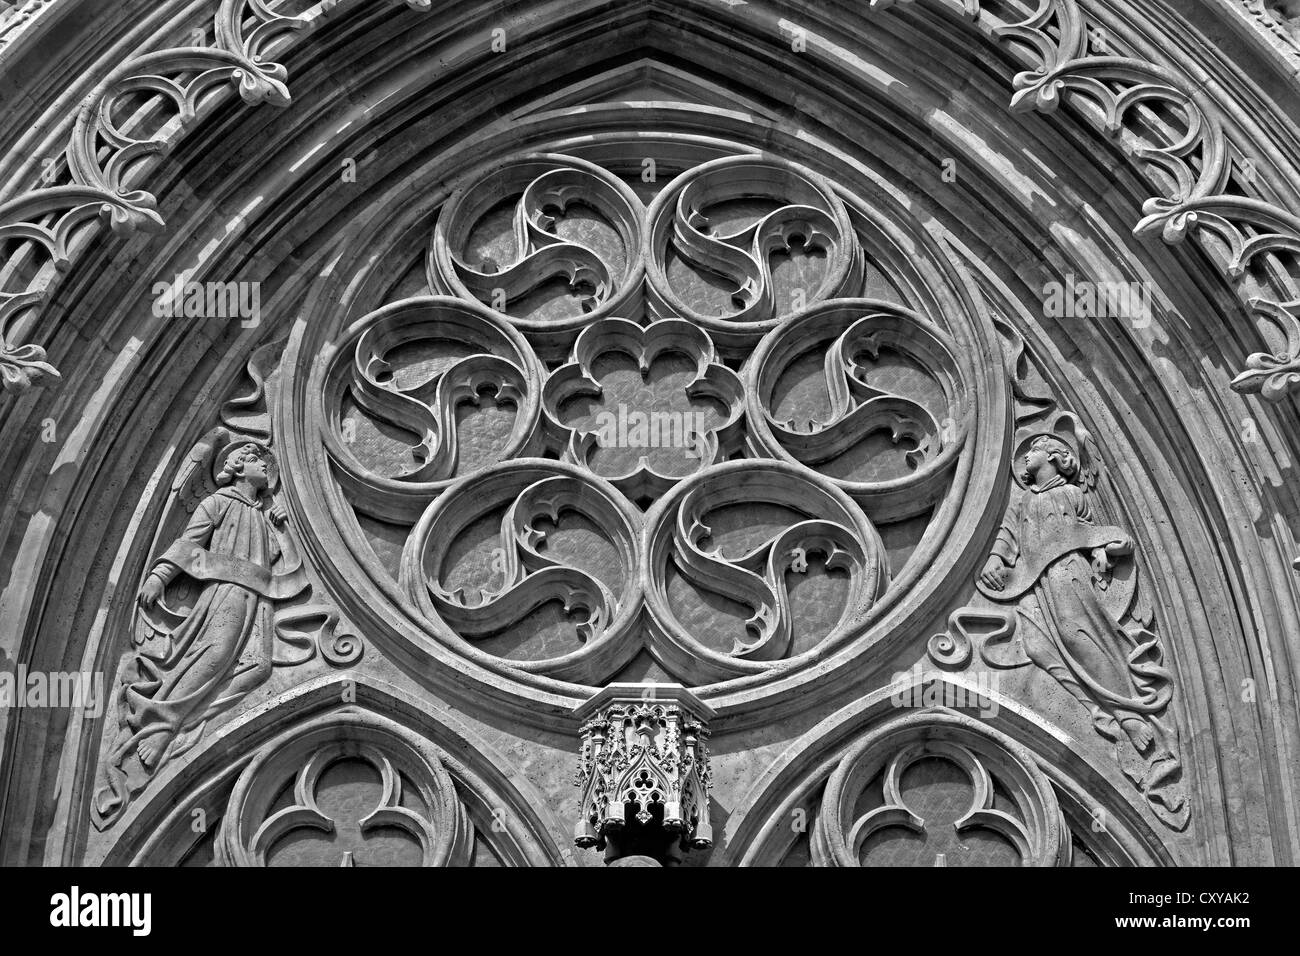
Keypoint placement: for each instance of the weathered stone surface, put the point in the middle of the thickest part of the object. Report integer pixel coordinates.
(837, 434)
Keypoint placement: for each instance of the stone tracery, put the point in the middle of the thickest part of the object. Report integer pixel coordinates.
(851, 428)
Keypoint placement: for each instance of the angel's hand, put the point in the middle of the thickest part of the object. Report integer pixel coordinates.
(1101, 567)
(278, 515)
(151, 593)
(1120, 548)
(994, 575)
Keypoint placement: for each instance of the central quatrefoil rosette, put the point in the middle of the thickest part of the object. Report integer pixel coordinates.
(644, 407)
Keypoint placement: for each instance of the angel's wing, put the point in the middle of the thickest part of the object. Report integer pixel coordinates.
(1091, 466)
(194, 482)
(1033, 397)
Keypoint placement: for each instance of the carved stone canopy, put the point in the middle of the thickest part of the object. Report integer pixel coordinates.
(644, 774)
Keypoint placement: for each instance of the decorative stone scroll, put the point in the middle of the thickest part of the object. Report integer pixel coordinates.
(644, 774)
(980, 799)
(868, 394)
(552, 242)
(423, 392)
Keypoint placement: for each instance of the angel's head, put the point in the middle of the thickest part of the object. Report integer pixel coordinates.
(1047, 457)
(250, 463)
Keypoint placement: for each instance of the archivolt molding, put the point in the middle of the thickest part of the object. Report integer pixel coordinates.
(962, 427)
(18, 18)
(1277, 20)
(107, 161)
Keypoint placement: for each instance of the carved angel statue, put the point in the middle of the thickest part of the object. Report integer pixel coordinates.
(1081, 617)
(195, 662)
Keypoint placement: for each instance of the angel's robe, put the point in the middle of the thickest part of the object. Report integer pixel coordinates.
(1073, 633)
(226, 638)
(217, 654)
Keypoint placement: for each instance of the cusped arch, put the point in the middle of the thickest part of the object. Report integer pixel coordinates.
(1057, 795)
(467, 792)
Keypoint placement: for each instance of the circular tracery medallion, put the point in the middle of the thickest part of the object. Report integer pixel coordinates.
(653, 431)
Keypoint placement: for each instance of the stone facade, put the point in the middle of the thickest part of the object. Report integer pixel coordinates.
(700, 433)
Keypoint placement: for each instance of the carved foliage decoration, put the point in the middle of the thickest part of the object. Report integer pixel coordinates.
(1188, 160)
(936, 788)
(108, 157)
(346, 791)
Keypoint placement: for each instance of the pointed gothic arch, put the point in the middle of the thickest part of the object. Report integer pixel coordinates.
(884, 102)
